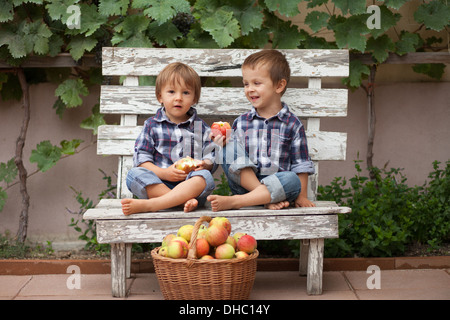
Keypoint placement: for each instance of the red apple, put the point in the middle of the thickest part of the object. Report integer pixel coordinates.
(221, 221)
(224, 251)
(247, 244)
(177, 250)
(216, 235)
(202, 247)
(220, 127)
(241, 255)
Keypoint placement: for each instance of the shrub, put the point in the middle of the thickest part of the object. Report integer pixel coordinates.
(387, 214)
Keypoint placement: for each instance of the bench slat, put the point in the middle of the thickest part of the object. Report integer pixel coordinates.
(225, 101)
(119, 140)
(219, 62)
(267, 228)
(110, 209)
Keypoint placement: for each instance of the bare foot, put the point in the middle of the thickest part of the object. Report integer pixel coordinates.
(220, 203)
(130, 206)
(277, 206)
(190, 205)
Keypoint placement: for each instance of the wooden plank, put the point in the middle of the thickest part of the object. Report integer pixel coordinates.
(315, 267)
(225, 101)
(118, 269)
(110, 209)
(267, 228)
(120, 140)
(220, 62)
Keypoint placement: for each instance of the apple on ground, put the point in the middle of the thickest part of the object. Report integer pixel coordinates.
(224, 251)
(247, 243)
(221, 221)
(216, 235)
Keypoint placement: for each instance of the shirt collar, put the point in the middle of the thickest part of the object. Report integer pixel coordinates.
(161, 116)
(282, 114)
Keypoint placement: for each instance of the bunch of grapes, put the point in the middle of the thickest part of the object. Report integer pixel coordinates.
(183, 22)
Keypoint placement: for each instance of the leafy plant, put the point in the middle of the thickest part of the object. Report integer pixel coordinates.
(387, 214)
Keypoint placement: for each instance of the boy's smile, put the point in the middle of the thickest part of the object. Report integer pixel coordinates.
(264, 95)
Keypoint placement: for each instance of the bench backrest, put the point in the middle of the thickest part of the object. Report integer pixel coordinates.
(131, 100)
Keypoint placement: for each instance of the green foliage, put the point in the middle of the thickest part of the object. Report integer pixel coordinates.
(387, 214)
(47, 155)
(86, 228)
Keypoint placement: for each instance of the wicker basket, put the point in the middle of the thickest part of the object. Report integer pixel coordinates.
(194, 279)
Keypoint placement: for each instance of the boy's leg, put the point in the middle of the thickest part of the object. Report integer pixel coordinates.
(276, 191)
(182, 193)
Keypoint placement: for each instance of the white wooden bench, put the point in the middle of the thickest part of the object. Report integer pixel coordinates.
(311, 225)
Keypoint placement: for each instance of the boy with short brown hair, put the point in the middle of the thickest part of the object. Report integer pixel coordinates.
(266, 160)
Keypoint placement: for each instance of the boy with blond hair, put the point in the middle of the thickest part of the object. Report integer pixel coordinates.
(174, 132)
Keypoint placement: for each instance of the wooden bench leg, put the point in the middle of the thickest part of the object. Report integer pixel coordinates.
(118, 269)
(128, 247)
(304, 251)
(315, 267)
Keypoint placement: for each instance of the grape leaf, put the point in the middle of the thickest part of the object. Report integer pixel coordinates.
(69, 147)
(250, 17)
(433, 70)
(350, 32)
(91, 20)
(79, 44)
(380, 47)
(358, 72)
(70, 91)
(164, 34)
(388, 20)
(285, 35)
(131, 32)
(8, 171)
(395, 4)
(317, 20)
(3, 197)
(315, 3)
(57, 9)
(408, 42)
(94, 121)
(288, 8)
(222, 26)
(45, 155)
(162, 10)
(354, 6)
(7, 11)
(113, 7)
(435, 15)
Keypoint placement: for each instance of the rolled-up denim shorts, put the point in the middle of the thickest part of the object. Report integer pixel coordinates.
(284, 185)
(138, 178)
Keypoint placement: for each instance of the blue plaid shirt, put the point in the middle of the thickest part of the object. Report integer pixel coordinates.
(275, 144)
(163, 142)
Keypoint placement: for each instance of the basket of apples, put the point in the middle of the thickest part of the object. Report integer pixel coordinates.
(206, 262)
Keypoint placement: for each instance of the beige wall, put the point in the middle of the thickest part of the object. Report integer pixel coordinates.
(412, 131)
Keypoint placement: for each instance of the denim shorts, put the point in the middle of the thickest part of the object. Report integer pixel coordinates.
(138, 178)
(284, 185)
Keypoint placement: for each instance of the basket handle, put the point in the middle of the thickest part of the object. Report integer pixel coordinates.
(193, 243)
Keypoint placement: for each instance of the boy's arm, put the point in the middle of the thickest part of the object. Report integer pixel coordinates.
(302, 199)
